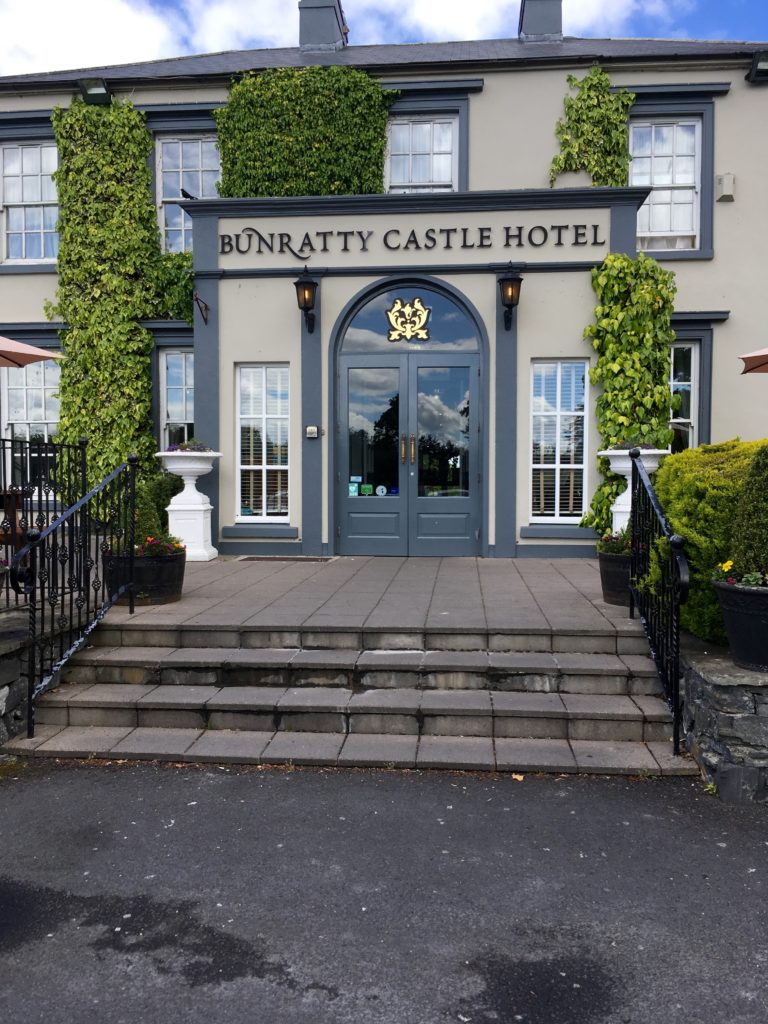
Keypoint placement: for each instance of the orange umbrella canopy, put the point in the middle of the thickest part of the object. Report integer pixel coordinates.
(16, 353)
(756, 362)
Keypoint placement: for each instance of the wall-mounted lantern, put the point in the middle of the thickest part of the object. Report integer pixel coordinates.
(95, 91)
(306, 293)
(509, 286)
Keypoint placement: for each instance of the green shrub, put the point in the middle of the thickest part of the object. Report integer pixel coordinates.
(699, 492)
(749, 547)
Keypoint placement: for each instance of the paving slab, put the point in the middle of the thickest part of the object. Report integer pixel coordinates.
(534, 755)
(514, 703)
(585, 705)
(110, 695)
(83, 741)
(604, 758)
(379, 751)
(455, 661)
(382, 661)
(325, 659)
(152, 744)
(456, 702)
(654, 709)
(639, 664)
(522, 662)
(229, 746)
(246, 698)
(169, 697)
(473, 752)
(305, 698)
(669, 763)
(403, 700)
(61, 696)
(22, 745)
(316, 748)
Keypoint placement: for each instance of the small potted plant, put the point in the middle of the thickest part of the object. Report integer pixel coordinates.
(741, 582)
(158, 557)
(613, 556)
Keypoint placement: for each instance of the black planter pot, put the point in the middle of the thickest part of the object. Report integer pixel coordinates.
(614, 577)
(156, 580)
(745, 613)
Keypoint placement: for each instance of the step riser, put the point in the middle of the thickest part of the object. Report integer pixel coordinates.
(563, 682)
(228, 639)
(486, 725)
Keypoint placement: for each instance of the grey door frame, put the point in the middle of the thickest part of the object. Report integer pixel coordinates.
(365, 295)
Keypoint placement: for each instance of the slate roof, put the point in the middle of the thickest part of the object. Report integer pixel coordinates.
(399, 58)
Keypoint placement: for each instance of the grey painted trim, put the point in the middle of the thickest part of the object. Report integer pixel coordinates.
(554, 531)
(624, 228)
(242, 531)
(507, 429)
(684, 89)
(701, 106)
(433, 202)
(411, 270)
(453, 85)
(176, 333)
(391, 280)
(29, 268)
(180, 117)
(556, 551)
(703, 336)
(206, 350)
(700, 319)
(26, 125)
(456, 104)
(44, 335)
(312, 448)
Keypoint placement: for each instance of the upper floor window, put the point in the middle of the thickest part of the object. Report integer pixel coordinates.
(423, 154)
(28, 201)
(666, 154)
(177, 397)
(31, 401)
(191, 165)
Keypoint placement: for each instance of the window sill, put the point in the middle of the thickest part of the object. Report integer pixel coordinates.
(663, 255)
(557, 531)
(29, 268)
(243, 530)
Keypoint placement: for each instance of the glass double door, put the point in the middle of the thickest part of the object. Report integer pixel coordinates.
(408, 469)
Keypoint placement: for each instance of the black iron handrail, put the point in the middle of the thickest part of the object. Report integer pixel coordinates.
(64, 572)
(659, 584)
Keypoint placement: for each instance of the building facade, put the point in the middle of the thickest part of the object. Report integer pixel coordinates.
(410, 412)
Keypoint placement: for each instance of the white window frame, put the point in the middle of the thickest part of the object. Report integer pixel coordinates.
(431, 186)
(164, 202)
(691, 424)
(188, 423)
(7, 423)
(240, 467)
(647, 241)
(557, 465)
(6, 205)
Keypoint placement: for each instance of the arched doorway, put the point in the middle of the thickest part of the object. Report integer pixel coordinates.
(409, 439)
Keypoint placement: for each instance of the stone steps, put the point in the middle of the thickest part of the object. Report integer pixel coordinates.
(546, 672)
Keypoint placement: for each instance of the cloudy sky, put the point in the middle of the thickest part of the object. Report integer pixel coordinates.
(47, 35)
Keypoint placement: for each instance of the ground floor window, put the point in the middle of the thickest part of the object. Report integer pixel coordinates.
(558, 439)
(684, 383)
(262, 442)
(30, 396)
(177, 397)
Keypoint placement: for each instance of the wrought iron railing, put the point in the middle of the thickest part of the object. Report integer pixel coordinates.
(38, 481)
(659, 584)
(69, 578)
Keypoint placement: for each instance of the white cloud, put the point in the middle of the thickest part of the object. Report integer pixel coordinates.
(614, 17)
(215, 25)
(48, 35)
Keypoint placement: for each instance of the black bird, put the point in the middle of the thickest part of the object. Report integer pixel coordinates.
(186, 195)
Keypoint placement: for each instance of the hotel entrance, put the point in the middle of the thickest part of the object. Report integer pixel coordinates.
(409, 431)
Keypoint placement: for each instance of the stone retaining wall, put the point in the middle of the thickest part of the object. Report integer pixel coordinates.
(726, 723)
(13, 635)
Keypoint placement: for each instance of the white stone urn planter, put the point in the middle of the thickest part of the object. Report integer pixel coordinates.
(189, 513)
(621, 465)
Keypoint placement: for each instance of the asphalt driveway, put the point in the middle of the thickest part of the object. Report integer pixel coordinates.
(137, 892)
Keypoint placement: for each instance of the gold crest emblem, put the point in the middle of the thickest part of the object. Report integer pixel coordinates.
(408, 320)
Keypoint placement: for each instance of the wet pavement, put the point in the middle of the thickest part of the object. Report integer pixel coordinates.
(184, 894)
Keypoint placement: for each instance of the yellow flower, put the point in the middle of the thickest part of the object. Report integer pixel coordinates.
(727, 566)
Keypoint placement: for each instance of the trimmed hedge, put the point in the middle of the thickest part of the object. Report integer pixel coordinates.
(700, 491)
(749, 547)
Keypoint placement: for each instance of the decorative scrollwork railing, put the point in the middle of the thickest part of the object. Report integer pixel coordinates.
(659, 584)
(62, 572)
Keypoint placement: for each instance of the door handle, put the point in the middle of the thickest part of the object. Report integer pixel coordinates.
(413, 449)
(402, 448)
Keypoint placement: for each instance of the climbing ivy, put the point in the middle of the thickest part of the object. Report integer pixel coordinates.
(594, 133)
(112, 275)
(303, 131)
(631, 334)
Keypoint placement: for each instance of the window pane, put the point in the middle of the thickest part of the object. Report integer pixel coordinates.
(50, 217)
(442, 168)
(543, 492)
(171, 185)
(663, 139)
(421, 169)
(190, 182)
(277, 391)
(30, 189)
(662, 171)
(30, 160)
(661, 219)
(49, 161)
(277, 443)
(685, 139)
(277, 493)
(683, 411)
(398, 170)
(685, 170)
(190, 154)
(251, 493)
(171, 156)
(443, 137)
(641, 171)
(210, 155)
(12, 190)
(16, 406)
(251, 400)
(544, 440)
(209, 190)
(50, 246)
(33, 249)
(12, 160)
(641, 140)
(251, 451)
(174, 241)
(571, 492)
(682, 218)
(682, 357)
(15, 247)
(421, 138)
(400, 138)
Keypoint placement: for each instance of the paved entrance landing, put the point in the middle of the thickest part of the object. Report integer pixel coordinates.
(427, 594)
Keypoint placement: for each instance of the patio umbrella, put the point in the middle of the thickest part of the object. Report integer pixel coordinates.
(756, 362)
(16, 353)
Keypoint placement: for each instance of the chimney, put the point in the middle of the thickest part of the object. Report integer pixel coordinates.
(541, 21)
(322, 25)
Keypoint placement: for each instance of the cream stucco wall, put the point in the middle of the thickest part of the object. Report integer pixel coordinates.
(23, 296)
